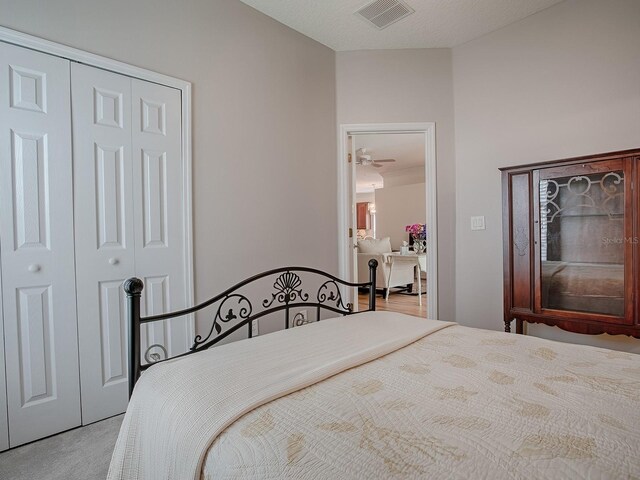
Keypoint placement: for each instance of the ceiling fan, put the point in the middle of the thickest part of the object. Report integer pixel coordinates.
(366, 161)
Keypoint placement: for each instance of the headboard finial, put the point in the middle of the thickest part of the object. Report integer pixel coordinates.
(133, 286)
(373, 263)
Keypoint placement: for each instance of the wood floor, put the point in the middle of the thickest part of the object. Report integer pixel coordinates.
(398, 302)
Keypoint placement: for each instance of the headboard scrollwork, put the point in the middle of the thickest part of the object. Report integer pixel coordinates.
(234, 309)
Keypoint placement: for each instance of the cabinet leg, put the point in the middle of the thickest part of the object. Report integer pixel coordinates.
(507, 326)
(519, 326)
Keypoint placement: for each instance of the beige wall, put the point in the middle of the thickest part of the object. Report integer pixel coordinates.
(388, 86)
(561, 83)
(405, 176)
(397, 207)
(264, 138)
(366, 197)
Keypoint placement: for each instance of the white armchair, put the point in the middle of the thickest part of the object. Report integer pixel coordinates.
(401, 275)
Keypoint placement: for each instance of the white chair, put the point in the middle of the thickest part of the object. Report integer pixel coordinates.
(401, 275)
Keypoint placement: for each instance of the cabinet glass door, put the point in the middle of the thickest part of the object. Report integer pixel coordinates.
(584, 238)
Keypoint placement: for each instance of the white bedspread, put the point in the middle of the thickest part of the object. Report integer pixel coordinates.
(179, 407)
(461, 403)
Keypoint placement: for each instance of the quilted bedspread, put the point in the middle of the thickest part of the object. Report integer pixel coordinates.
(180, 406)
(459, 403)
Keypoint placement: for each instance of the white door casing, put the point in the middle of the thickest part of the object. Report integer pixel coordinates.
(158, 215)
(353, 228)
(344, 215)
(37, 251)
(104, 232)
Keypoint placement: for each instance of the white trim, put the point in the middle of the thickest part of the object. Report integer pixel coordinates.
(429, 130)
(59, 50)
(187, 204)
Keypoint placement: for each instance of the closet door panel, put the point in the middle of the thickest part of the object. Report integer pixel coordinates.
(37, 251)
(158, 212)
(4, 421)
(104, 234)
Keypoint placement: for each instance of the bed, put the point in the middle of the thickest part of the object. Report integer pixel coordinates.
(379, 395)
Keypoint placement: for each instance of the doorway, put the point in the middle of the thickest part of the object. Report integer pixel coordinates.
(403, 157)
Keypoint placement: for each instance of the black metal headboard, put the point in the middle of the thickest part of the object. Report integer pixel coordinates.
(236, 310)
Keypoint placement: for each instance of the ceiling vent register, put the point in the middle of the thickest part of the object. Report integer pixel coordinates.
(383, 13)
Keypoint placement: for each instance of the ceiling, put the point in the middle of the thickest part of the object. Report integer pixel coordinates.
(406, 148)
(435, 23)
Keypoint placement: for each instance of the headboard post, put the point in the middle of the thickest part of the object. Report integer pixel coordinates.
(133, 288)
(373, 265)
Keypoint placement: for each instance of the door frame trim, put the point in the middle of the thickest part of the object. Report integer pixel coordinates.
(429, 130)
(20, 39)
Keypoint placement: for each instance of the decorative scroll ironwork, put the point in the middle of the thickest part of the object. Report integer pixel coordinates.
(330, 292)
(155, 357)
(579, 194)
(288, 289)
(236, 310)
(299, 319)
(232, 307)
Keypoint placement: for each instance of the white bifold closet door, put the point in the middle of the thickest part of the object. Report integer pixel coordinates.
(4, 420)
(129, 221)
(37, 251)
(158, 202)
(104, 234)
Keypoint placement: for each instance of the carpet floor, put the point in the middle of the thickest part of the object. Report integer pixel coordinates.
(80, 454)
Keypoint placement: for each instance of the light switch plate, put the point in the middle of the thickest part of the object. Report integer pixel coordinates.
(477, 223)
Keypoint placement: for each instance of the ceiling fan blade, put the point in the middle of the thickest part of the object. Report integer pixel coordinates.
(375, 165)
(382, 160)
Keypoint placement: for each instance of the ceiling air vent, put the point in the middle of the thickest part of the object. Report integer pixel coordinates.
(383, 13)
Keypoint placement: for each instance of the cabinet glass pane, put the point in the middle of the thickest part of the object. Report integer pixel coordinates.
(582, 243)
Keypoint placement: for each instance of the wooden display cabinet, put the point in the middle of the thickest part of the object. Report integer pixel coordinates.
(571, 244)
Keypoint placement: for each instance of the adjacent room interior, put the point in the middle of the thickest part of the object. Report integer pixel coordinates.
(390, 200)
(382, 238)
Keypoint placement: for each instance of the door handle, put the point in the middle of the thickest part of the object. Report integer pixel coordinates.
(34, 267)
(113, 261)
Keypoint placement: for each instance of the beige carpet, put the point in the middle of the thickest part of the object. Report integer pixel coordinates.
(80, 454)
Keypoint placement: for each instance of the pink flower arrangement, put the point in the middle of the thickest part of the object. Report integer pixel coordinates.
(417, 230)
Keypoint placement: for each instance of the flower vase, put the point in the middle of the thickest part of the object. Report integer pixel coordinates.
(419, 245)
